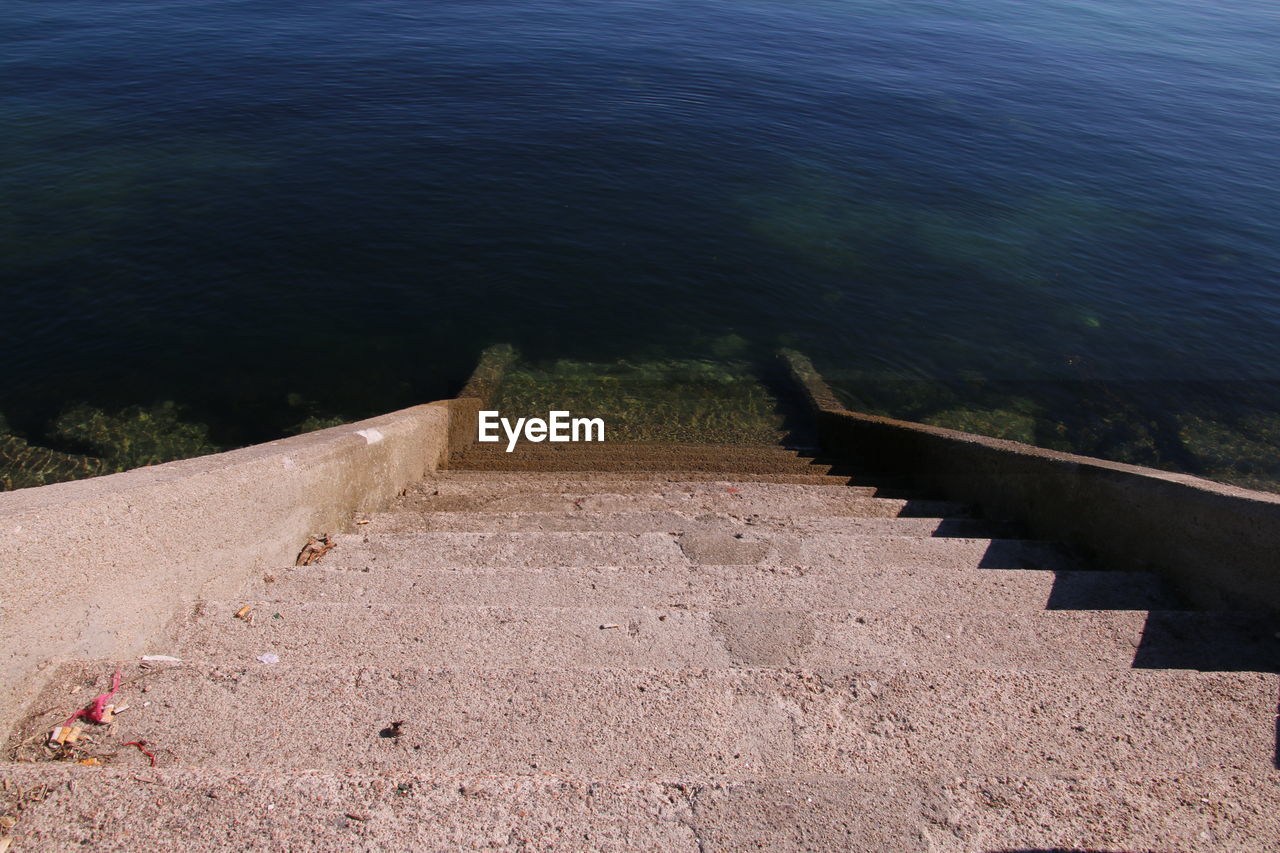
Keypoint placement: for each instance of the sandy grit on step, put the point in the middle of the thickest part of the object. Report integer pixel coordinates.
(737, 724)
(197, 811)
(672, 548)
(707, 587)
(396, 635)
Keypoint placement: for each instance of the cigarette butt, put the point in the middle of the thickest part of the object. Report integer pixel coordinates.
(244, 612)
(610, 625)
(89, 762)
(64, 734)
(362, 521)
(123, 706)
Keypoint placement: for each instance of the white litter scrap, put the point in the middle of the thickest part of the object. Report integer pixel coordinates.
(161, 659)
(269, 657)
(371, 436)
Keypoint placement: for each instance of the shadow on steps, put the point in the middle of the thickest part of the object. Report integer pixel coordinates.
(1217, 642)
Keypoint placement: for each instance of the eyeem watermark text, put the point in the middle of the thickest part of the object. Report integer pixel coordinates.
(558, 426)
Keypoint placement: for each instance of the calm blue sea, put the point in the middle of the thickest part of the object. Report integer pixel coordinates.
(225, 203)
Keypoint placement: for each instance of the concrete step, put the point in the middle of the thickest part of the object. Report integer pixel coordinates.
(709, 587)
(608, 463)
(619, 480)
(646, 725)
(656, 476)
(663, 457)
(638, 450)
(752, 547)
(540, 494)
(581, 520)
(402, 635)
(217, 810)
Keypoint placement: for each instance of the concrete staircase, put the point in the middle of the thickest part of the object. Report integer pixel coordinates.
(675, 647)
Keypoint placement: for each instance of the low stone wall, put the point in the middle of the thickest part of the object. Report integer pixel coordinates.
(94, 568)
(1219, 544)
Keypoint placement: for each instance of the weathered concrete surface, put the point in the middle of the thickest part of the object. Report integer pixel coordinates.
(838, 677)
(463, 491)
(1218, 543)
(755, 546)
(95, 567)
(582, 520)
(644, 724)
(649, 660)
(178, 810)
(721, 586)
(580, 635)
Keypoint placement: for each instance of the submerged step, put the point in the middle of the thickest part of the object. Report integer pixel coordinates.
(641, 724)
(707, 587)
(396, 635)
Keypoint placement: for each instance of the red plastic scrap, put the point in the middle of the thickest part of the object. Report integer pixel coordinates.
(142, 747)
(94, 712)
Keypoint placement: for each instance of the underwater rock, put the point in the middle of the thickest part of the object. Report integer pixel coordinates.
(313, 417)
(313, 423)
(135, 436)
(728, 346)
(997, 423)
(23, 465)
(1247, 454)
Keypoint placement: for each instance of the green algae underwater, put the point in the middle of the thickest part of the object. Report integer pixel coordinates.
(725, 400)
(90, 441)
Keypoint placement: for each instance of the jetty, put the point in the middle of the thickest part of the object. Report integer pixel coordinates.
(867, 635)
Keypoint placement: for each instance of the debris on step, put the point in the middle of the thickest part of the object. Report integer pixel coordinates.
(269, 657)
(63, 735)
(316, 547)
(66, 741)
(94, 712)
(142, 747)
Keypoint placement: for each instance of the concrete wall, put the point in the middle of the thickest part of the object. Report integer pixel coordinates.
(1219, 544)
(96, 567)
